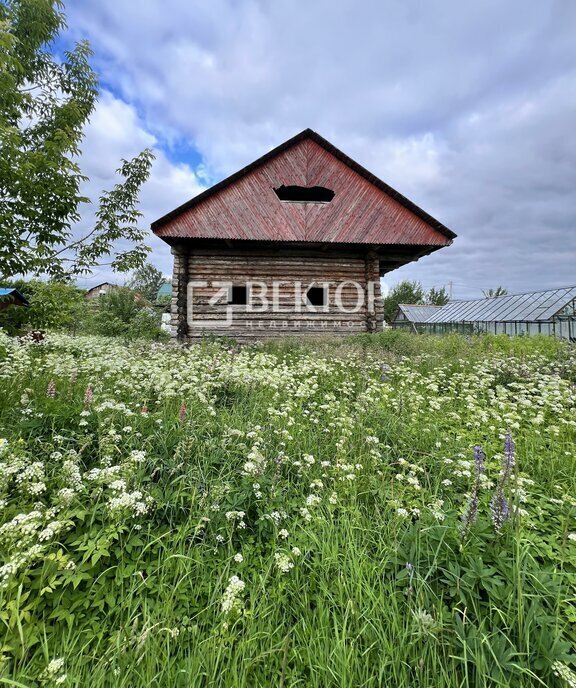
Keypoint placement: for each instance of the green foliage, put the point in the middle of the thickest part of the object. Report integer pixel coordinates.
(164, 299)
(133, 475)
(437, 297)
(412, 293)
(493, 293)
(435, 349)
(124, 313)
(45, 103)
(403, 292)
(53, 306)
(147, 280)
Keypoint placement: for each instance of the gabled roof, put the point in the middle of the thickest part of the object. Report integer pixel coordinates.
(417, 313)
(532, 306)
(364, 209)
(165, 290)
(99, 286)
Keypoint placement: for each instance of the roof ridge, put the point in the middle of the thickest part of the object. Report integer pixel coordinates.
(507, 296)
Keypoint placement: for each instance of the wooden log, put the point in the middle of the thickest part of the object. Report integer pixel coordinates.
(285, 276)
(179, 304)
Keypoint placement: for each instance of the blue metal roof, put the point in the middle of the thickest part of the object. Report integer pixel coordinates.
(12, 291)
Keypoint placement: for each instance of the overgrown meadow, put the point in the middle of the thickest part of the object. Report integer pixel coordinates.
(380, 511)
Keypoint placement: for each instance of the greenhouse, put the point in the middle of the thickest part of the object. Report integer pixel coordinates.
(551, 312)
(412, 316)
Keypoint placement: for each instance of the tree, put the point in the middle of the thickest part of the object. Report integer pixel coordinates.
(403, 292)
(437, 297)
(147, 280)
(121, 313)
(45, 103)
(493, 293)
(53, 306)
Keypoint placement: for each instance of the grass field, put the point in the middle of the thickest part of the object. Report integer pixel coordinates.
(381, 511)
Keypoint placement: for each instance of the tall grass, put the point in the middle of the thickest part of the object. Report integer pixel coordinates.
(385, 587)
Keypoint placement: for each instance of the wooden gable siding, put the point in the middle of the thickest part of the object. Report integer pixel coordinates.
(360, 213)
(311, 268)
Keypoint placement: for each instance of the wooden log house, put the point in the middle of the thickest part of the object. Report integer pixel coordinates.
(293, 244)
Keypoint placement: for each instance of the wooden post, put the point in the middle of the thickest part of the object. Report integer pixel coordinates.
(179, 304)
(374, 305)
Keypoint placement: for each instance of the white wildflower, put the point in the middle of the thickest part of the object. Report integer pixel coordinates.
(234, 515)
(52, 673)
(283, 562)
(231, 598)
(137, 456)
(564, 672)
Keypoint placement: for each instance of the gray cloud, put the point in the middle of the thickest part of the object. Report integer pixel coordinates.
(466, 108)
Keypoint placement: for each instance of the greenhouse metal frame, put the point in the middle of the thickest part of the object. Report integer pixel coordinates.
(551, 312)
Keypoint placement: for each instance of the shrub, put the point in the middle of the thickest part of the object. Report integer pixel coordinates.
(123, 313)
(53, 306)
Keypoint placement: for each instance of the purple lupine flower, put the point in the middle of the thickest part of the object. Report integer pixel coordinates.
(471, 514)
(479, 457)
(509, 456)
(384, 372)
(499, 509)
(88, 396)
(182, 414)
(51, 389)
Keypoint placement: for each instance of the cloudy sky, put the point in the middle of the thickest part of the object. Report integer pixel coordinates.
(469, 109)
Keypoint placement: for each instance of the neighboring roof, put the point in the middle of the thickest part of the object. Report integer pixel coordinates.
(529, 307)
(248, 209)
(14, 296)
(105, 287)
(99, 286)
(417, 313)
(165, 290)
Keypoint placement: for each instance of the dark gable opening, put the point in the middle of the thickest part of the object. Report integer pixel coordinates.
(304, 194)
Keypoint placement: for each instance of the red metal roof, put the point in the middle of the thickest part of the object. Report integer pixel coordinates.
(364, 209)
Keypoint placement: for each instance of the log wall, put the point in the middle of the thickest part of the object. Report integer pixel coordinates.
(276, 281)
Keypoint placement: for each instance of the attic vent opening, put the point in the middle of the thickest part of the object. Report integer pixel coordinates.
(304, 194)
